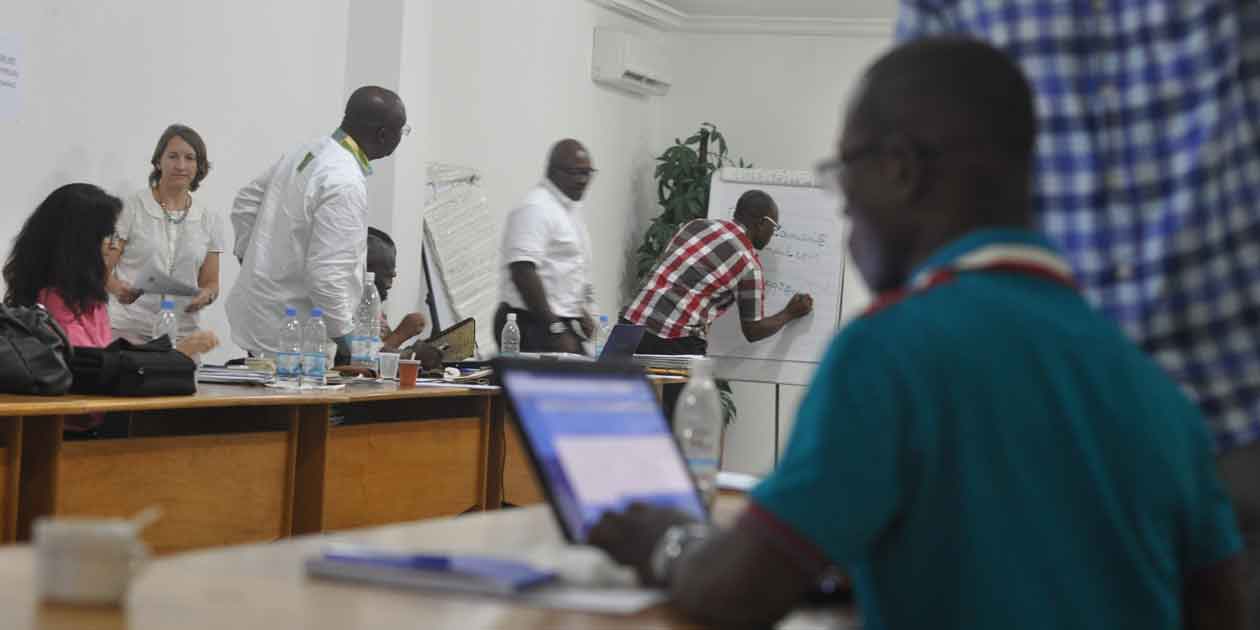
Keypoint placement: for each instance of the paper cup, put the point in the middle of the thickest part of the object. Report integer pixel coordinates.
(86, 561)
(408, 370)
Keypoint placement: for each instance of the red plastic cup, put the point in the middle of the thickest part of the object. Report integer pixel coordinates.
(408, 370)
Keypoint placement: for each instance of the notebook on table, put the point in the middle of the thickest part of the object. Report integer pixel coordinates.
(462, 573)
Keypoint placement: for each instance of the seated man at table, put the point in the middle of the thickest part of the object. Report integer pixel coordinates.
(382, 260)
(981, 449)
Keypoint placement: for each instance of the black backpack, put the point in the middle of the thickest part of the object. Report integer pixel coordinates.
(35, 354)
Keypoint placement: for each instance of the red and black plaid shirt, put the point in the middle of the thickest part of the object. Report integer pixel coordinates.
(709, 264)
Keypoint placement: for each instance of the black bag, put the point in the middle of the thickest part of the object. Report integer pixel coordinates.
(125, 369)
(34, 352)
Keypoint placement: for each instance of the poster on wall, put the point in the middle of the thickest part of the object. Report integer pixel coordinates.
(10, 75)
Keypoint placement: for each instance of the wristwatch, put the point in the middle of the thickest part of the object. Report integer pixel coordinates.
(672, 545)
(557, 328)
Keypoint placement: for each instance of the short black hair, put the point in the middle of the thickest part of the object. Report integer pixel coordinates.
(754, 204)
(952, 87)
(194, 140)
(59, 247)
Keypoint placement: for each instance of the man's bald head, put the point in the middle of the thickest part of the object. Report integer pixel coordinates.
(569, 168)
(375, 118)
(565, 152)
(948, 91)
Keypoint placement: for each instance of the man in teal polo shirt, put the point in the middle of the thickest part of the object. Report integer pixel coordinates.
(980, 449)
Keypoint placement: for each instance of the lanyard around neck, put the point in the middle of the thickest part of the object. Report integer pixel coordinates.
(1027, 260)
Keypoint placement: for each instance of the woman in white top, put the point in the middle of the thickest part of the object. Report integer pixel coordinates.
(163, 228)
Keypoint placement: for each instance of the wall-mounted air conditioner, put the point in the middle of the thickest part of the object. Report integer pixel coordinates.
(627, 61)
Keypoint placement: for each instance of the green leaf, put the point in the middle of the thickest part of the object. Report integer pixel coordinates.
(683, 180)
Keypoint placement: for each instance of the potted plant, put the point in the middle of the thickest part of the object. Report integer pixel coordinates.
(682, 189)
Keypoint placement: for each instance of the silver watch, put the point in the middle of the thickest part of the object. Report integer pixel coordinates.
(672, 545)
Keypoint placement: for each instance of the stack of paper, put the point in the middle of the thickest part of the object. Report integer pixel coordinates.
(666, 361)
(214, 374)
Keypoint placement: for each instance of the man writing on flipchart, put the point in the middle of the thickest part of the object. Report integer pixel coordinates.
(709, 265)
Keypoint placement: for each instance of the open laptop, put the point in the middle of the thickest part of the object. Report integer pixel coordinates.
(597, 440)
(622, 341)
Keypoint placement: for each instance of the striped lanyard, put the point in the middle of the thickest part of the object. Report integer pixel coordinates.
(1028, 260)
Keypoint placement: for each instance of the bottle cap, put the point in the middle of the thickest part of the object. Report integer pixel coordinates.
(289, 311)
(317, 312)
(603, 319)
(371, 277)
(168, 305)
(511, 317)
(701, 367)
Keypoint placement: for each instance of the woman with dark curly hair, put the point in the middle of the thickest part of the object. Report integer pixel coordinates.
(61, 259)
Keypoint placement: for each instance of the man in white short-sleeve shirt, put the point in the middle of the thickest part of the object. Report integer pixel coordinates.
(301, 227)
(547, 252)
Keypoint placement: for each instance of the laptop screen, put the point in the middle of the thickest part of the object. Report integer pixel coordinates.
(623, 340)
(599, 442)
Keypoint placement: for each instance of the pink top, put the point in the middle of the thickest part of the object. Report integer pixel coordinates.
(88, 330)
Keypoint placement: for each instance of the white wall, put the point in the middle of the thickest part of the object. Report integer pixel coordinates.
(511, 78)
(103, 79)
(778, 100)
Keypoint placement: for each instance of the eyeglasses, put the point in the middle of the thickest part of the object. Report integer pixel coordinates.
(406, 130)
(577, 172)
(777, 227)
(828, 173)
(113, 239)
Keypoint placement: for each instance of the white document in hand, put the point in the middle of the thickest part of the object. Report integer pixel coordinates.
(156, 281)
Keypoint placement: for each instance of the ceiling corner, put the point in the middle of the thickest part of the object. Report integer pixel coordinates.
(650, 12)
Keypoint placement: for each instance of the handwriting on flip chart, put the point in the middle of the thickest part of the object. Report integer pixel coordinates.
(805, 255)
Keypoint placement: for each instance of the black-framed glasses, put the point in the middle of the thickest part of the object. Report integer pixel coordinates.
(829, 172)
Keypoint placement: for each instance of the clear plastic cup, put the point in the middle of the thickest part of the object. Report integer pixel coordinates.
(389, 364)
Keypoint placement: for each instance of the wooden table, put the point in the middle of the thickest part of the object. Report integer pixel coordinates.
(233, 464)
(263, 586)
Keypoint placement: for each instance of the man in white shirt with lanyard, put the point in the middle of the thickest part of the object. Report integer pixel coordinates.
(547, 252)
(301, 227)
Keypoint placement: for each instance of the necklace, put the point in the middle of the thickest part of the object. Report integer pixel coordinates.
(170, 214)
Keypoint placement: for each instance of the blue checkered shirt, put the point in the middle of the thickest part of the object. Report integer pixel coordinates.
(1148, 170)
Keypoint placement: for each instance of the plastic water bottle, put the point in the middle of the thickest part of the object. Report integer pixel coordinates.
(601, 334)
(314, 361)
(510, 342)
(365, 341)
(698, 427)
(166, 323)
(289, 351)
